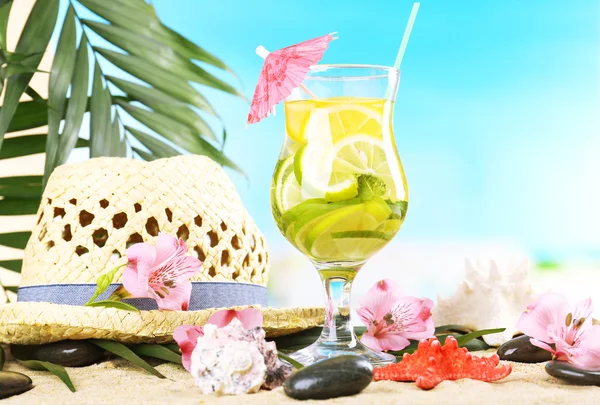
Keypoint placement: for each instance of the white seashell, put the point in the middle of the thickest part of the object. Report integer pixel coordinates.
(227, 366)
(488, 298)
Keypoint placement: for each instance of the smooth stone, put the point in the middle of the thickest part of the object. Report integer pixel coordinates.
(521, 350)
(13, 384)
(69, 353)
(568, 372)
(331, 378)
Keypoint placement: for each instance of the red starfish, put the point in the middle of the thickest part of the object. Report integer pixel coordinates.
(433, 363)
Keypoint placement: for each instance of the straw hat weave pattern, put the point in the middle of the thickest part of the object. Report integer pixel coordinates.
(91, 212)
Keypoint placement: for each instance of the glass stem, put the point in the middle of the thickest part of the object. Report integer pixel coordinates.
(338, 329)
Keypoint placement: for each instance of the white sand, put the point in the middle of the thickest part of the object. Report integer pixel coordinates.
(117, 382)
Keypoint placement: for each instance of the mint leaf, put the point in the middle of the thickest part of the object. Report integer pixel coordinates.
(370, 187)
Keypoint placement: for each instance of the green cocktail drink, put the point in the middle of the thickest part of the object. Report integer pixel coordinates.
(339, 193)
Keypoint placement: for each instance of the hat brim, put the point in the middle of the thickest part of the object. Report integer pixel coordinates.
(40, 322)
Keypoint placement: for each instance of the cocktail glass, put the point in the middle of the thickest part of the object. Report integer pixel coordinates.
(339, 192)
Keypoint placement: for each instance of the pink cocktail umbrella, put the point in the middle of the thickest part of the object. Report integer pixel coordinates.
(283, 71)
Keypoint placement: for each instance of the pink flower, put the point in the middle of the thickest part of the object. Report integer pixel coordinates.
(551, 320)
(187, 336)
(161, 272)
(392, 319)
(249, 317)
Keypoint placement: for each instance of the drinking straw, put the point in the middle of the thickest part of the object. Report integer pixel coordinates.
(411, 22)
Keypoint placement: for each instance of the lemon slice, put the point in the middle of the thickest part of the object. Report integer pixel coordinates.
(319, 182)
(364, 154)
(342, 116)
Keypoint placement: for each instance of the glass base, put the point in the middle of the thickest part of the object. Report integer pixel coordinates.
(323, 350)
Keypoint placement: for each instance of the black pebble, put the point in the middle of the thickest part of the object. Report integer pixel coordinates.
(13, 383)
(69, 353)
(521, 350)
(336, 377)
(568, 372)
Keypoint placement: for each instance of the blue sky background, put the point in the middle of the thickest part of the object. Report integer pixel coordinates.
(498, 114)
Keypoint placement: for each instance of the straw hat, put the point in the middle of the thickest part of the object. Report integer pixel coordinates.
(91, 212)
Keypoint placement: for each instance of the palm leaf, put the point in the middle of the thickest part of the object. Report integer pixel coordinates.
(155, 76)
(21, 187)
(34, 39)
(4, 12)
(76, 107)
(161, 102)
(141, 18)
(160, 55)
(19, 206)
(60, 79)
(29, 145)
(17, 240)
(12, 265)
(157, 148)
(101, 134)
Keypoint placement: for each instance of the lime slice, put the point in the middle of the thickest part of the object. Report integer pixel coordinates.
(366, 216)
(288, 192)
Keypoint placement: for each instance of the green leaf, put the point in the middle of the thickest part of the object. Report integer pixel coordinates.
(19, 206)
(29, 145)
(104, 281)
(118, 145)
(100, 123)
(27, 58)
(452, 328)
(298, 340)
(60, 79)
(462, 340)
(29, 114)
(177, 133)
(76, 107)
(173, 347)
(156, 351)
(113, 304)
(157, 77)
(126, 353)
(188, 49)
(4, 12)
(158, 54)
(15, 69)
(293, 362)
(21, 187)
(148, 157)
(12, 265)
(165, 126)
(34, 38)
(17, 240)
(142, 19)
(165, 104)
(55, 369)
(11, 288)
(158, 148)
(35, 96)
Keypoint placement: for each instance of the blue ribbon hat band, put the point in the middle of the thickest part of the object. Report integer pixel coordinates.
(204, 295)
